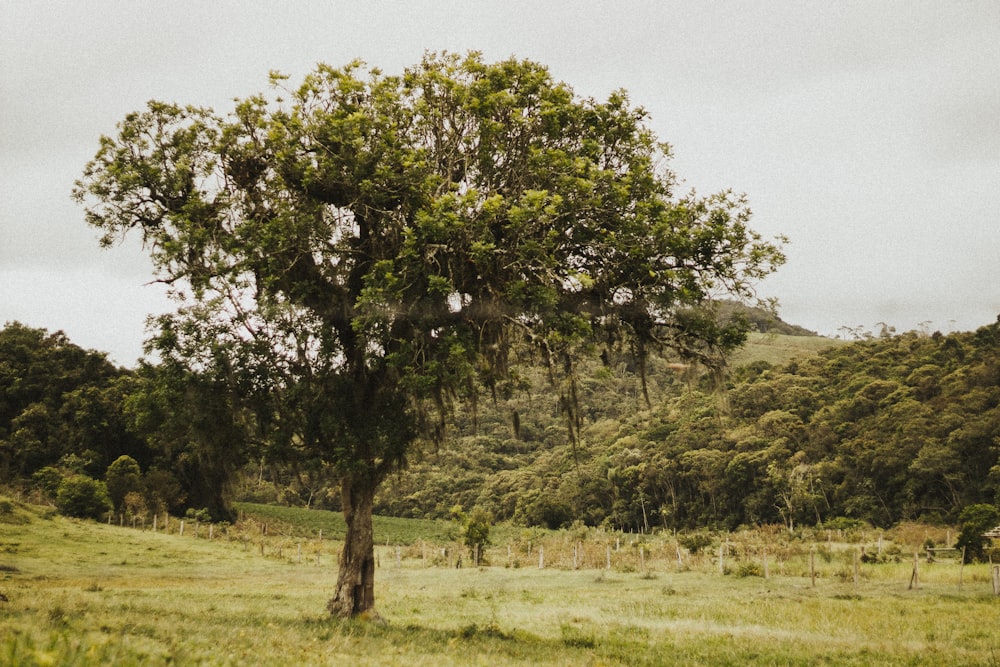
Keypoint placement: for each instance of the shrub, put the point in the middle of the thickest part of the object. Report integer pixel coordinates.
(47, 479)
(695, 542)
(123, 477)
(976, 520)
(749, 569)
(83, 497)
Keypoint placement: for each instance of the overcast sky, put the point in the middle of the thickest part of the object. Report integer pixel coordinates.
(867, 132)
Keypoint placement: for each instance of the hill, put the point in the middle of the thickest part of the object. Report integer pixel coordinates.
(881, 430)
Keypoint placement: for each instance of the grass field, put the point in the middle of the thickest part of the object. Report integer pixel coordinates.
(777, 349)
(80, 593)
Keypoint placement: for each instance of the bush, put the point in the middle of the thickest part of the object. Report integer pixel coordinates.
(749, 569)
(695, 542)
(123, 477)
(976, 520)
(48, 479)
(83, 497)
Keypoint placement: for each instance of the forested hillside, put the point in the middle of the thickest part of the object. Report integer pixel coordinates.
(881, 430)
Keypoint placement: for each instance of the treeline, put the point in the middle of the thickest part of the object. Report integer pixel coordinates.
(903, 427)
(77, 431)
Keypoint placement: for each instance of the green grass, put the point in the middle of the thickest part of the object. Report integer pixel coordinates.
(80, 593)
(778, 349)
(307, 523)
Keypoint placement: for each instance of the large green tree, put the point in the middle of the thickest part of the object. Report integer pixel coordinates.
(353, 254)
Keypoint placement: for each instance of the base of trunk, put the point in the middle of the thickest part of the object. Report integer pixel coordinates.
(355, 593)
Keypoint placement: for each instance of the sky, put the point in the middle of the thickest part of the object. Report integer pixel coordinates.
(868, 133)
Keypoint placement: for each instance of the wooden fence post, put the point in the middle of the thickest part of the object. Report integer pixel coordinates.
(541, 558)
(996, 580)
(961, 570)
(915, 577)
(812, 565)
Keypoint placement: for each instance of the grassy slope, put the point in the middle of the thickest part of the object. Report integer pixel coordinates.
(79, 593)
(778, 349)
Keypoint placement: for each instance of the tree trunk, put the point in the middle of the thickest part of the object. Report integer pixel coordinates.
(355, 592)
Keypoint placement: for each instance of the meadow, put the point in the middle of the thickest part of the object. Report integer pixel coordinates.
(82, 593)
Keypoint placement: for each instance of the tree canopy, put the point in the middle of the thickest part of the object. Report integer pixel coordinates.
(352, 255)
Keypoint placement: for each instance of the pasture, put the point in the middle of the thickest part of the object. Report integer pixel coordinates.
(81, 593)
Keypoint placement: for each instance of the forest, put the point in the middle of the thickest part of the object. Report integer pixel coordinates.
(879, 430)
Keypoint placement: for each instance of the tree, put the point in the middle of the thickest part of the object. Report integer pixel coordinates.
(193, 423)
(975, 520)
(122, 478)
(353, 255)
(83, 497)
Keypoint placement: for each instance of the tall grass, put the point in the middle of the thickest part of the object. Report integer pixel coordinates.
(79, 593)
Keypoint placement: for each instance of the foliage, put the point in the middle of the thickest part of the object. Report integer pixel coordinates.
(122, 478)
(873, 432)
(974, 521)
(58, 400)
(83, 497)
(351, 256)
(475, 527)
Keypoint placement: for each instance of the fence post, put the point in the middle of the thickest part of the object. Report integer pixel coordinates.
(996, 580)
(812, 565)
(915, 577)
(961, 571)
(541, 558)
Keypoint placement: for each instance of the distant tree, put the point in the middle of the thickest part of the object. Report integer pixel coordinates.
(122, 478)
(195, 427)
(57, 399)
(83, 497)
(974, 521)
(356, 253)
(475, 527)
(162, 491)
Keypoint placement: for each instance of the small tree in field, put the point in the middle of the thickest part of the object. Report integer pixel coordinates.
(974, 521)
(122, 478)
(353, 255)
(83, 497)
(475, 528)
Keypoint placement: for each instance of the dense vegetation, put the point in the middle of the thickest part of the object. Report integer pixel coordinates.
(154, 440)
(881, 430)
